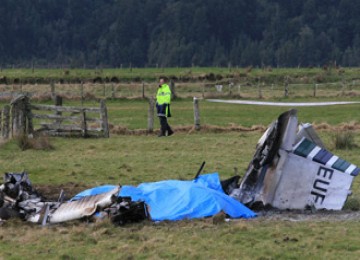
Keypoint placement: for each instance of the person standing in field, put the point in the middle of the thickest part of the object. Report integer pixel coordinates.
(163, 98)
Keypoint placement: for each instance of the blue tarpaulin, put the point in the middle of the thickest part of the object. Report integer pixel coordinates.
(176, 200)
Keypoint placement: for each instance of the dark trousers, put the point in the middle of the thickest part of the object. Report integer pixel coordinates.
(165, 128)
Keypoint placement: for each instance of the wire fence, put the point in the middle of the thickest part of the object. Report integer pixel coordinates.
(182, 90)
(263, 90)
(121, 112)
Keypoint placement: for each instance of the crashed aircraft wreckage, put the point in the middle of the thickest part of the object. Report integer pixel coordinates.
(165, 200)
(19, 199)
(291, 169)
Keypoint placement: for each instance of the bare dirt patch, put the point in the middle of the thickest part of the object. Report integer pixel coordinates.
(52, 192)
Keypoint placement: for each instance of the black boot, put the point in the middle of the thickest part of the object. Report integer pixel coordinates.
(163, 126)
(170, 131)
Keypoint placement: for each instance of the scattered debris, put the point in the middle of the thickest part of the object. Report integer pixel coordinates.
(19, 199)
(203, 197)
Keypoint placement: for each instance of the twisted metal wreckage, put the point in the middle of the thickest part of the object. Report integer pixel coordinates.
(291, 169)
(165, 200)
(19, 199)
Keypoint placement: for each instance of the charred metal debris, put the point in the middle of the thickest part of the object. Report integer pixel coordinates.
(19, 199)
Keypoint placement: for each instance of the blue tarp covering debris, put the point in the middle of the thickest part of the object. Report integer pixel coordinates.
(176, 200)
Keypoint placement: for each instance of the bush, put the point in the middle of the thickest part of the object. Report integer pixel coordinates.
(344, 140)
(37, 143)
(23, 142)
(352, 204)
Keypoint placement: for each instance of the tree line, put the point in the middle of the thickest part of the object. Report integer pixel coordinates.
(170, 33)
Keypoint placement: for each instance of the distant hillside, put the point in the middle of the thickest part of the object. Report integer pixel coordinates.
(171, 33)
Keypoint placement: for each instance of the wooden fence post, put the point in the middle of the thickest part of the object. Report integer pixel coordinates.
(315, 89)
(14, 120)
(83, 124)
(28, 117)
(52, 89)
(5, 122)
(18, 116)
(260, 91)
(286, 88)
(82, 93)
(172, 88)
(143, 89)
(229, 88)
(196, 114)
(112, 91)
(151, 112)
(58, 102)
(104, 119)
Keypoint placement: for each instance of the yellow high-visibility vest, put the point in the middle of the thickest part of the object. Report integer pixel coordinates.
(163, 95)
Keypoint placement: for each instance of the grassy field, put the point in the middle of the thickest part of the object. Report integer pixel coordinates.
(200, 82)
(136, 159)
(199, 239)
(133, 159)
(312, 75)
(133, 114)
(145, 73)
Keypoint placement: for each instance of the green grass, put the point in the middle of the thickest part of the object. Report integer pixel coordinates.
(136, 159)
(311, 75)
(189, 82)
(253, 239)
(133, 113)
(129, 159)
